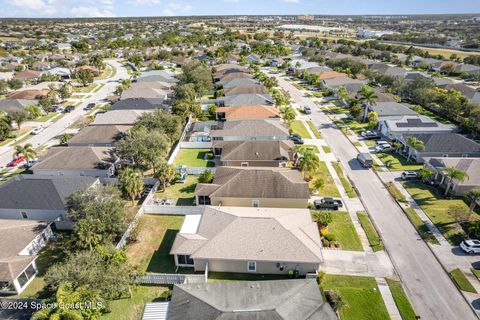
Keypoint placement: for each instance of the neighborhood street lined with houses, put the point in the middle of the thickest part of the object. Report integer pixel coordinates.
(226, 167)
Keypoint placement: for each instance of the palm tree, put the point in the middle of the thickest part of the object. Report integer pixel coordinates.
(308, 162)
(165, 174)
(414, 144)
(86, 231)
(52, 92)
(425, 174)
(473, 196)
(132, 182)
(27, 151)
(318, 184)
(454, 173)
(367, 95)
(342, 94)
(34, 111)
(64, 138)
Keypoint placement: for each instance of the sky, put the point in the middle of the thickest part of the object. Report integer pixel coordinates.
(122, 8)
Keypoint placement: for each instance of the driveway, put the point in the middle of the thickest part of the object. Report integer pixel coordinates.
(432, 293)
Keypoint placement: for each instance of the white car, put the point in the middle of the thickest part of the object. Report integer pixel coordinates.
(409, 175)
(37, 130)
(470, 246)
(383, 147)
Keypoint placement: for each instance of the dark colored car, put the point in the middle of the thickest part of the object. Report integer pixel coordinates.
(296, 139)
(90, 106)
(328, 204)
(69, 109)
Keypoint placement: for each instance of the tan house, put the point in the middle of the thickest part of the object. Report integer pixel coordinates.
(254, 153)
(254, 187)
(98, 136)
(249, 240)
(248, 112)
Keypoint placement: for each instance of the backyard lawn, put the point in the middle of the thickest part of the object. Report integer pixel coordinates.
(193, 158)
(151, 252)
(298, 127)
(431, 200)
(401, 300)
(396, 162)
(329, 189)
(344, 231)
(183, 192)
(362, 298)
(371, 232)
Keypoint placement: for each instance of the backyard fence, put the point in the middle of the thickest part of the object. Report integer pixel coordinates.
(177, 210)
(171, 278)
(196, 171)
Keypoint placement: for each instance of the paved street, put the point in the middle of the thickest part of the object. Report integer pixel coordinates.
(428, 286)
(62, 124)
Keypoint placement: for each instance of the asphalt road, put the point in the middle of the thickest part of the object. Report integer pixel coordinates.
(428, 286)
(62, 124)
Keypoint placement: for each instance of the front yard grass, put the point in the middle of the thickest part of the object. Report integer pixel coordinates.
(298, 127)
(394, 192)
(326, 149)
(329, 189)
(421, 227)
(183, 192)
(339, 109)
(193, 158)
(46, 117)
(355, 126)
(88, 88)
(310, 147)
(344, 231)
(370, 231)
(462, 281)
(314, 130)
(156, 234)
(362, 298)
(345, 183)
(432, 201)
(396, 162)
(401, 301)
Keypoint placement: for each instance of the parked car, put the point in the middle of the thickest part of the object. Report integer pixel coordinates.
(365, 159)
(30, 163)
(328, 204)
(89, 106)
(19, 161)
(296, 139)
(307, 110)
(470, 246)
(369, 135)
(69, 109)
(409, 175)
(57, 108)
(37, 130)
(383, 147)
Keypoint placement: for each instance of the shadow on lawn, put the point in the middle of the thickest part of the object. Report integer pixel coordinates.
(162, 261)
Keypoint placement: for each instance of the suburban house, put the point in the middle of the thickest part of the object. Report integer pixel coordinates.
(21, 241)
(249, 240)
(30, 75)
(9, 105)
(157, 75)
(443, 146)
(147, 93)
(245, 99)
(233, 74)
(119, 117)
(389, 110)
(98, 136)
(242, 130)
(236, 82)
(387, 70)
(247, 112)
(254, 153)
(77, 161)
(470, 93)
(295, 299)
(393, 128)
(40, 66)
(139, 104)
(351, 85)
(35, 197)
(28, 94)
(254, 187)
(471, 166)
(247, 89)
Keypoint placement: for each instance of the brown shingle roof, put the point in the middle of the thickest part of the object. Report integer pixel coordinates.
(257, 150)
(75, 158)
(31, 94)
(107, 134)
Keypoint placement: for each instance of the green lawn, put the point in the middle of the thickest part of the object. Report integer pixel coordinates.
(88, 88)
(132, 309)
(329, 189)
(355, 126)
(311, 147)
(339, 109)
(401, 300)
(46, 117)
(432, 201)
(193, 158)
(13, 135)
(326, 149)
(476, 272)
(394, 192)
(184, 192)
(357, 144)
(372, 235)
(151, 252)
(396, 162)
(421, 227)
(314, 129)
(298, 127)
(370, 143)
(462, 281)
(362, 298)
(344, 231)
(345, 183)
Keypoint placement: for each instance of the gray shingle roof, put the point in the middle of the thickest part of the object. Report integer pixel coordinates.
(107, 134)
(257, 150)
(448, 143)
(387, 109)
(260, 300)
(247, 99)
(76, 158)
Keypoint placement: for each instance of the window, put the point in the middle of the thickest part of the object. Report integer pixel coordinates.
(244, 164)
(252, 266)
(24, 215)
(204, 200)
(255, 203)
(185, 259)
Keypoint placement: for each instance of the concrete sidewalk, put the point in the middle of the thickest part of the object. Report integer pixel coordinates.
(357, 263)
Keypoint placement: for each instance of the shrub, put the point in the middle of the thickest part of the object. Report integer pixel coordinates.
(325, 243)
(330, 237)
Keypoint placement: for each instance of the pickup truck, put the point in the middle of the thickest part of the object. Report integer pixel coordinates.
(327, 204)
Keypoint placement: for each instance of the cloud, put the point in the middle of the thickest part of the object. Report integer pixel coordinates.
(91, 12)
(176, 9)
(146, 2)
(292, 1)
(37, 7)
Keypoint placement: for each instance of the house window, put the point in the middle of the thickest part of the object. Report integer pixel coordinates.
(24, 215)
(252, 266)
(244, 164)
(255, 203)
(185, 260)
(204, 200)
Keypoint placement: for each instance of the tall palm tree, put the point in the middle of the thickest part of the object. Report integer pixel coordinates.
(414, 144)
(454, 173)
(27, 151)
(86, 231)
(342, 94)
(165, 174)
(367, 95)
(473, 196)
(308, 162)
(132, 182)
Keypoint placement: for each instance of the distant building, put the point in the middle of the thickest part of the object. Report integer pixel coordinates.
(364, 33)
